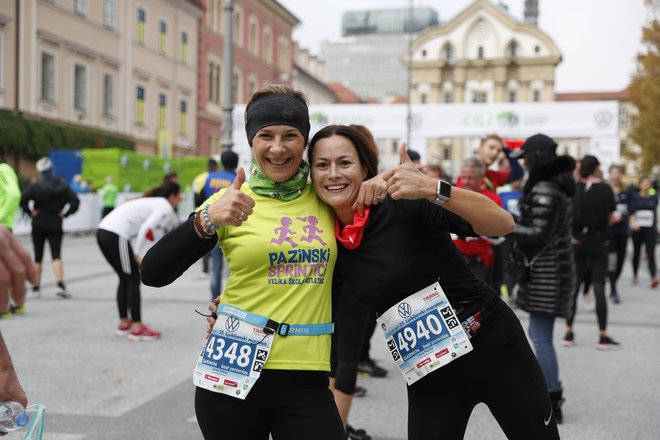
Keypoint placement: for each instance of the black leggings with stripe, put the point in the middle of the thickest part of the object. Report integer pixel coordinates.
(117, 250)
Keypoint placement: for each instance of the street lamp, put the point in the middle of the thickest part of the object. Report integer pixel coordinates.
(227, 79)
(409, 71)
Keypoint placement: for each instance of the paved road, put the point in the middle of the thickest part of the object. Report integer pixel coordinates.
(98, 386)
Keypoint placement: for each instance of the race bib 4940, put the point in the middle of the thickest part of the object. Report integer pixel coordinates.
(423, 333)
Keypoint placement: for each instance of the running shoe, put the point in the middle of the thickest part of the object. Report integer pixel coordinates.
(370, 368)
(654, 282)
(6, 315)
(34, 293)
(143, 334)
(123, 329)
(62, 292)
(606, 343)
(614, 296)
(569, 340)
(356, 434)
(359, 391)
(18, 310)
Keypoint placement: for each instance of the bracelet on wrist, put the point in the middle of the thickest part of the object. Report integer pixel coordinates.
(207, 220)
(200, 228)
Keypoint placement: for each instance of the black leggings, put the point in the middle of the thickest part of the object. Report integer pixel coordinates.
(39, 237)
(618, 244)
(646, 236)
(289, 405)
(501, 372)
(353, 320)
(118, 252)
(592, 258)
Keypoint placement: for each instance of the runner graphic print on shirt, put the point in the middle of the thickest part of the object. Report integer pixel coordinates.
(283, 233)
(311, 229)
(294, 264)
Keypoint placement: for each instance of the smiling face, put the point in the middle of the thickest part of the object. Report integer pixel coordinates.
(337, 172)
(488, 151)
(278, 150)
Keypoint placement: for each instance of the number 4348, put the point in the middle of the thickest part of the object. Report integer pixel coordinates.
(215, 349)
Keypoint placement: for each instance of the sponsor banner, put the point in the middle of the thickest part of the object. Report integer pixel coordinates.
(590, 119)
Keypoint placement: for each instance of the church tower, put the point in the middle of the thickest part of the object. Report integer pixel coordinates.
(531, 12)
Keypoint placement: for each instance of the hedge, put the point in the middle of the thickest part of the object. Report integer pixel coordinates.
(34, 138)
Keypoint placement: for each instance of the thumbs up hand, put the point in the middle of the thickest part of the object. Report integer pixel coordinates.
(233, 207)
(407, 182)
(403, 154)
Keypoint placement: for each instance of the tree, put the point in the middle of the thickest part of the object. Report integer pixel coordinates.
(645, 93)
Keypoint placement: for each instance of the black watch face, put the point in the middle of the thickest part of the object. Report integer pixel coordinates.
(445, 190)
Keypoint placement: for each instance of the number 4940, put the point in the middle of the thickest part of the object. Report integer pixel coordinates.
(407, 339)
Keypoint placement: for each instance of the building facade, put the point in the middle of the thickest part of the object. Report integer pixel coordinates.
(262, 51)
(308, 73)
(122, 67)
(369, 57)
(483, 55)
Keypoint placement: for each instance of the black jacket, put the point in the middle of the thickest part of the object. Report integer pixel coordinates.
(50, 196)
(543, 235)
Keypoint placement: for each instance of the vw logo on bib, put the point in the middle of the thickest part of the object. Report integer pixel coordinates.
(423, 333)
(232, 324)
(404, 310)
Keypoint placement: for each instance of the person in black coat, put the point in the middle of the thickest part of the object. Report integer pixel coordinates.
(543, 257)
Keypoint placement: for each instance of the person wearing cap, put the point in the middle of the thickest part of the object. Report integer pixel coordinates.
(594, 210)
(278, 237)
(542, 252)
(48, 201)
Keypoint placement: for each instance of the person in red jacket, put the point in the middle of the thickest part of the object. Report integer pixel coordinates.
(477, 251)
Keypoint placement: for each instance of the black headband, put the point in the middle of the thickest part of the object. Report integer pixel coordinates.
(276, 110)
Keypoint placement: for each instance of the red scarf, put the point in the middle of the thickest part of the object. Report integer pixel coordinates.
(351, 236)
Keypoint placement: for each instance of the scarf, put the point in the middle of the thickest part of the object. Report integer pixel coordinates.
(288, 190)
(351, 236)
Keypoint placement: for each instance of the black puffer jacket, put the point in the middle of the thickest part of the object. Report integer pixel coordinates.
(545, 217)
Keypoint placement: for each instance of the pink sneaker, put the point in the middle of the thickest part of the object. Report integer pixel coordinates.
(143, 334)
(123, 329)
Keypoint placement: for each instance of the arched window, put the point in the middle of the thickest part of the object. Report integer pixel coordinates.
(448, 53)
(512, 50)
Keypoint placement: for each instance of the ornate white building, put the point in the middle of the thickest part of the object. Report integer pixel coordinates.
(482, 55)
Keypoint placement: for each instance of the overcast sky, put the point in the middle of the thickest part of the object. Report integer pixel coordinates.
(598, 39)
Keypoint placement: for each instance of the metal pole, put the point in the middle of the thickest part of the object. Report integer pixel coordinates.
(228, 78)
(410, 41)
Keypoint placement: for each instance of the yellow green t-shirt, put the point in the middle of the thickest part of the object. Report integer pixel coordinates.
(281, 260)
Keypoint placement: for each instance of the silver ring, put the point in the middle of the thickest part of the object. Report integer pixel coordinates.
(240, 217)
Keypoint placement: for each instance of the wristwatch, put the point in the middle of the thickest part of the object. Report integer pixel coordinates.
(443, 193)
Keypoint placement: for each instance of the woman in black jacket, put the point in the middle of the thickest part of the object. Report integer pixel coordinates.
(542, 251)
